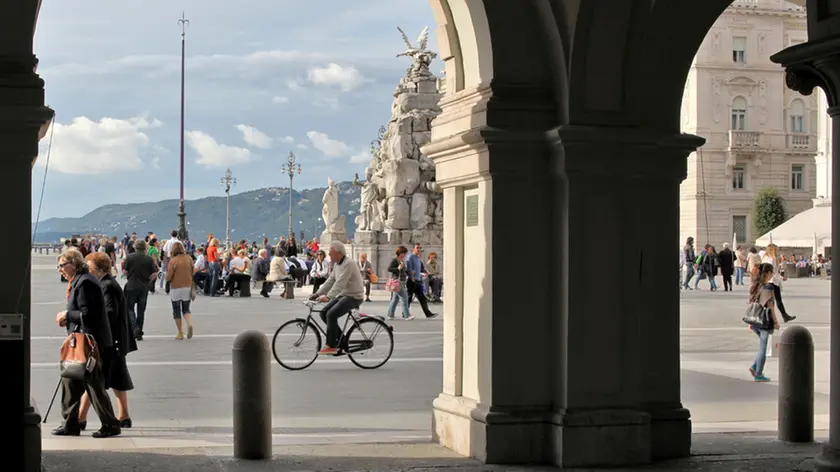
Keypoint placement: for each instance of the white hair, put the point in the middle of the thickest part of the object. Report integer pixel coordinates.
(338, 247)
(263, 252)
(726, 245)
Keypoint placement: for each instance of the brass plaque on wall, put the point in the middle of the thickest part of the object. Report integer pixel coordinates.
(472, 210)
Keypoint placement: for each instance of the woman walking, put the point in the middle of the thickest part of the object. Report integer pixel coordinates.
(398, 276)
(114, 368)
(180, 276)
(763, 293)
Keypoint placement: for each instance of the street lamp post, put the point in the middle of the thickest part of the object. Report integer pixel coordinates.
(183, 234)
(291, 169)
(227, 182)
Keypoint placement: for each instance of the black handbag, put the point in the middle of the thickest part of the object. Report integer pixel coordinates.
(756, 315)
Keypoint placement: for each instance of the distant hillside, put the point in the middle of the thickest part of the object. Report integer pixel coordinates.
(254, 215)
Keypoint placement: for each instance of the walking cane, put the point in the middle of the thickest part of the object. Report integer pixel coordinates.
(52, 401)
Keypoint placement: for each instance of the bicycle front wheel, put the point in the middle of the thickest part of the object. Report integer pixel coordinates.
(370, 343)
(296, 344)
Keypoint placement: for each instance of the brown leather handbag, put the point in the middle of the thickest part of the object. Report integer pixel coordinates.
(79, 356)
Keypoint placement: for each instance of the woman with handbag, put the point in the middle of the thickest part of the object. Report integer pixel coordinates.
(396, 285)
(763, 318)
(771, 257)
(89, 336)
(114, 367)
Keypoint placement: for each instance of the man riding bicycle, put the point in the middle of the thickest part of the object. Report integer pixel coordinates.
(342, 292)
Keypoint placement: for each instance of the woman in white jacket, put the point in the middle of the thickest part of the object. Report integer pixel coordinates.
(320, 271)
(277, 268)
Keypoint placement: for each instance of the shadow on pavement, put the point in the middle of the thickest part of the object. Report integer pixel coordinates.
(712, 453)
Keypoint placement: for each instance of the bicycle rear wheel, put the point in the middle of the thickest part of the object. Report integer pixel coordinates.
(296, 344)
(370, 343)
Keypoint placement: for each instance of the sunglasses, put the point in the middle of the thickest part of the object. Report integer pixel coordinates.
(61, 266)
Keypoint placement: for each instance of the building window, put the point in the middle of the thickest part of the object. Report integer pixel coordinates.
(739, 227)
(739, 114)
(797, 116)
(739, 49)
(797, 177)
(739, 174)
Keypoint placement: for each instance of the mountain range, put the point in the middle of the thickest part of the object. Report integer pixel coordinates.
(254, 214)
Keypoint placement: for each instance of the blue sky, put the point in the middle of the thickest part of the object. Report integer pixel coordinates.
(264, 77)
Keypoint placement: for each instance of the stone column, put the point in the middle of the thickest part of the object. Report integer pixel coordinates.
(496, 395)
(813, 64)
(23, 122)
(621, 400)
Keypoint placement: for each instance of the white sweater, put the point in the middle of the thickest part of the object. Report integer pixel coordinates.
(345, 280)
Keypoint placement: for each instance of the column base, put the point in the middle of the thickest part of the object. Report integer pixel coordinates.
(670, 431)
(493, 437)
(601, 438)
(591, 438)
(32, 439)
(828, 459)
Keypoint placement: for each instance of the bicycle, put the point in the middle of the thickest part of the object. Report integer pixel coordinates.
(368, 327)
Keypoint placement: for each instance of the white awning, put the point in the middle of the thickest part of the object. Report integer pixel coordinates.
(807, 229)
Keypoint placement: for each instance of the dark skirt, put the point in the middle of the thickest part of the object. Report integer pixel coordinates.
(115, 372)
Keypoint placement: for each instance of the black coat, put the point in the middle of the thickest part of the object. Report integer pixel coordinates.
(117, 311)
(726, 258)
(86, 310)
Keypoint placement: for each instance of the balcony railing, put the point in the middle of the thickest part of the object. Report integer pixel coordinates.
(802, 141)
(744, 140)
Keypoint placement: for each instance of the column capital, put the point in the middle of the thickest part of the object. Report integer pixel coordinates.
(813, 64)
(604, 150)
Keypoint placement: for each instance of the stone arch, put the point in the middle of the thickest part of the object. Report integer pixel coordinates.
(661, 45)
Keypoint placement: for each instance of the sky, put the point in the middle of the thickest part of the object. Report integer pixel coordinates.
(263, 78)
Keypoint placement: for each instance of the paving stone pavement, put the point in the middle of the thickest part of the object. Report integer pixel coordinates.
(712, 453)
(183, 394)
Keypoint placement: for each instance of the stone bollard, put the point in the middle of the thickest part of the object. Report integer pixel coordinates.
(796, 385)
(251, 396)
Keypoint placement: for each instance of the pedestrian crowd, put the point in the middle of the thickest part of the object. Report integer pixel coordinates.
(104, 320)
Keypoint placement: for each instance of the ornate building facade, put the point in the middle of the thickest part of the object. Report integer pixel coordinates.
(759, 133)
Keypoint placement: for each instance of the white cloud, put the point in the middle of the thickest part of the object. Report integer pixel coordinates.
(155, 163)
(333, 75)
(287, 140)
(213, 154)
(329, 147)
(280, 100)
(254, 137)
(87, 147)
(360, 158)
(302, 146)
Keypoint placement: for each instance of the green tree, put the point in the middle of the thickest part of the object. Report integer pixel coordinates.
(769, 211)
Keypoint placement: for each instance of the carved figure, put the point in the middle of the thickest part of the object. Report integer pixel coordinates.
(330, 209)
(716, 99)
(369, 218)
(762, 101)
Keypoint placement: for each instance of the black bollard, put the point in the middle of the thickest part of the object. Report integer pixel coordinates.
(796, 385)
(251, 396)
